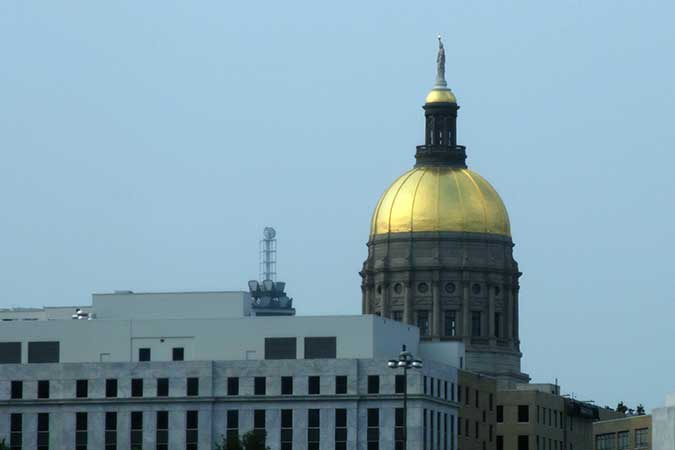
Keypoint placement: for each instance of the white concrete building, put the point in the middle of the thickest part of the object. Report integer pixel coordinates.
(181, 370)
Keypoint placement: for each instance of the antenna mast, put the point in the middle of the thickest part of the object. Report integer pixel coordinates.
(268, 255)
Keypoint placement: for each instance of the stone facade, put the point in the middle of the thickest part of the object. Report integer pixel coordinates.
(477, 411)
(213, 401)
(429, 279)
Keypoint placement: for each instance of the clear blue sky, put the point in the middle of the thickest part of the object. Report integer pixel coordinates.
(146, 144)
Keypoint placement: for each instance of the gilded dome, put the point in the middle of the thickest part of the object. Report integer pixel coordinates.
(440, 199)
(440, 95)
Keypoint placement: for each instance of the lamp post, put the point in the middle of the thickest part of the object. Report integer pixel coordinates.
(405, 361)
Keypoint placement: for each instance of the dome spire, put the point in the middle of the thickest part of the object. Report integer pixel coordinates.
(440, 65)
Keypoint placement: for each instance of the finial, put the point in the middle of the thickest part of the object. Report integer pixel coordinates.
(440, 65)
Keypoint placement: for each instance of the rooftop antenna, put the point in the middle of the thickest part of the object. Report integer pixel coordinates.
(268, 255)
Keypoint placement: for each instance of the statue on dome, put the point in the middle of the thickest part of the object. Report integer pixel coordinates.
(440, 64)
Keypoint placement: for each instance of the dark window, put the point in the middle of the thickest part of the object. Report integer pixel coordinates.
(423, 322)
(459, 394)
(523, 413)
(341, 384)
(10, 352)
(286, 429)
(477, 396)
(43, 389)
(524, 442)
(111, 387)
(233, 386)
(445, 390)
(232, 423)
(431, 385)
(281, 348)
(500, 442)
(137, 387)
(320, 347)
(314, 385)
(475, 323)
(373, 384)
(259, 386)
(136, 430)
(43, 431)
(191, 430)
(17, 390)
(498, 325)
(162, 387)
(81, 431)
(178, 354)
(82, 388)
(476, 426)
(500, 413)
(286, 385)
(399, 424)
(373, 430)
(15, 431)
(43, 352)
(466, 395)
(144, 354)
(313, 429)
(192, 386)
(450, 323)
(399, 384)
(259, 419)
(340, 429)
(110, 431)
(452, 391)
(162, 430)
(397, 315)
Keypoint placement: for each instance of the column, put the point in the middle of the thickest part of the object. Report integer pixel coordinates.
(435, 310)
(491, 314)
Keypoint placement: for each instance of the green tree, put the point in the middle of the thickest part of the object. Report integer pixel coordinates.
(3, 445)
(231, 442)
(254, 440)
(640, 410)
(623, 409)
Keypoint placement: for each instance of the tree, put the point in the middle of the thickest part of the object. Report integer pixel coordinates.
(231, 442)
(3, 445)
(623, 409)
(640, 410)
(254, 440)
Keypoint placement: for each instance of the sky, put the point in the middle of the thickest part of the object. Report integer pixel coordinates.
(145, 145)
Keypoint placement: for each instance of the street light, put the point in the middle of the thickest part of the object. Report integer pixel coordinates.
(405, 361)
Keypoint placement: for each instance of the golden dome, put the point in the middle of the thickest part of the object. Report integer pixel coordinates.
(440, 199)
(438, 95)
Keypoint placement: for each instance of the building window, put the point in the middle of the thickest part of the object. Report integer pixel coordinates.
(281, 348)
(642, 438)
(500, 442)
(397, 315)
(491, 433)
(144, 354)
(43, 389)
(450, 323)
(136, 430)
(137, 387)
(314, 385)
(341, 429)
(475, 323)
(373, 384)
(43, 352)
(445, 390)
(191, 430)
(607, 441)
(423, 322)
(475, 432)
(399, 384)
(466, 395)
(424, 429)
(500, 414)
(178, 354)
(341, 384)
(523, 442)
(373, 431)
(232, 424)
(43, 431)
(259, 420)
(477, 398)
(498, 325)
(82, 388)
(431, 385)
(232, 386)
(452, 392)
(523, 413)
(259, 386)
(162, 387)
(10, 352)
(538, 413)
(110, 431)
(320, 347)
(286, 429)
(193, 387)
(445, 431)
(81, 431)
(17, 390)
(622, 440)
(475, 288)
(15, 431)
(313, 429)
(111, 387)
(286, 385)
(162, 433)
